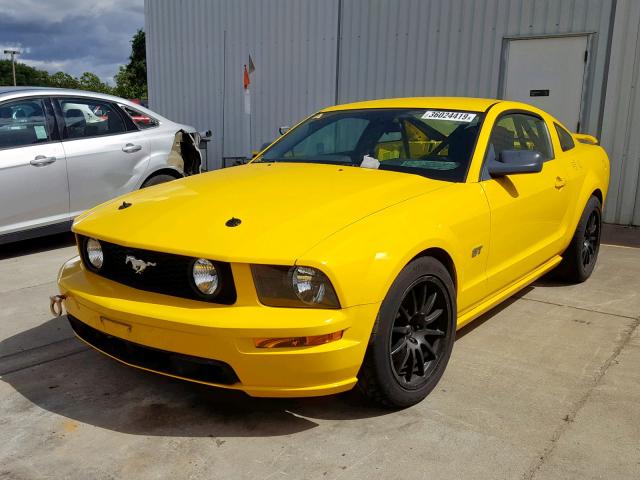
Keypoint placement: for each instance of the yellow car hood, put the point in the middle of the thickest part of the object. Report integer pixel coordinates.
(284, 209)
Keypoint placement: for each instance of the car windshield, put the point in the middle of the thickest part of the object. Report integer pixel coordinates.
(428, 142)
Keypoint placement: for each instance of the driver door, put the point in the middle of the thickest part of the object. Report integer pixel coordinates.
(526, 209)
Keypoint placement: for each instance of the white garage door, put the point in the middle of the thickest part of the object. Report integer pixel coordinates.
(547, 73)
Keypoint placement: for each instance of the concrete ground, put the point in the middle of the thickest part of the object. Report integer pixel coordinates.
(546, 386)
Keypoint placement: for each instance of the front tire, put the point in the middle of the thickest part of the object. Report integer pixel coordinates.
(413, 336)
(579, 259)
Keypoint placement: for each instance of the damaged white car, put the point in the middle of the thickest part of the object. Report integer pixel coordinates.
(64, 151)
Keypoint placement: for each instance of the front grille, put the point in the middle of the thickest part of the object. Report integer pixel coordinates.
(185, 366)
(171, 274)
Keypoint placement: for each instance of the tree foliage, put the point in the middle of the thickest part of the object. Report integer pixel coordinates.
(130, 81)
(25, 75)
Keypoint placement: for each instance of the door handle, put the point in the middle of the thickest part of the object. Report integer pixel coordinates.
(131, 148)
(41, 161)
(560, 182)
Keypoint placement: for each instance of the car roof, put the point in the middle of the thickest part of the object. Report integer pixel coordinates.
(16, 92)
(451, 103)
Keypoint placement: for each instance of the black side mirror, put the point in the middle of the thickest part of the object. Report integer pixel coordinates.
(515, 161)
(284, 129)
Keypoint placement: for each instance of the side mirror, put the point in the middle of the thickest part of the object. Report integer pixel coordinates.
(284, 129)
(515, 161)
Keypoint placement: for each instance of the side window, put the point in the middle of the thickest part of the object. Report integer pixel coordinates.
(338, 137)
(85, 117)
(519, 131)
(23, 123)
(142, 120)
(566, 140)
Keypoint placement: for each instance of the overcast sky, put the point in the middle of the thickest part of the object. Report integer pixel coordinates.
(74, 36)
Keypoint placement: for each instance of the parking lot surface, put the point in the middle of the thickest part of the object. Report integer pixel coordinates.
(546, 386)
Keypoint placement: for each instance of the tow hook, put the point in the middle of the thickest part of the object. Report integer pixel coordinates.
(56, 306)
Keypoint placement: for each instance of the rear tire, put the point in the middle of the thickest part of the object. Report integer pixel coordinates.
(157, 180)
(413, 336)
(579, 259)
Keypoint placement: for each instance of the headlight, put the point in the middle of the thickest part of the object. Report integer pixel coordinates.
(94, 254)
(309, 285)
(279, 286)
(205, 276)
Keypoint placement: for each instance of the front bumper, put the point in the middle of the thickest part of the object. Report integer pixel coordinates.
(221, 334)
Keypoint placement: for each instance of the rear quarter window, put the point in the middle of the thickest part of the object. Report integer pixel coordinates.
(566, 139)
(142, 120)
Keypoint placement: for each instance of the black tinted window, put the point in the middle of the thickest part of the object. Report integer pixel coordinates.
(566, 140)
(22, 123)
(518, 131)
(90, 118)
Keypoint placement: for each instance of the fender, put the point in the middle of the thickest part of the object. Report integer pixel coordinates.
(455, 220)
(596, 178)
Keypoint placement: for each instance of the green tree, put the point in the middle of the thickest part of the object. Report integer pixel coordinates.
(63, 80)
(90, 81)
(25, 75)
(131, 79)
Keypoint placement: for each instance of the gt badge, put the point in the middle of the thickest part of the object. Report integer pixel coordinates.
(138, 266)
(476, 251)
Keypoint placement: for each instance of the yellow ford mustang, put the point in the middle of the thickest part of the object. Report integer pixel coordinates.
(346, 253)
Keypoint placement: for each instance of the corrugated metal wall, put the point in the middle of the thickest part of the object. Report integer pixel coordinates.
(621, 122)
(433, 47)
(385, 48)
(196, 50)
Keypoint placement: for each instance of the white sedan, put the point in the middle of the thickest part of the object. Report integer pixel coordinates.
(64, 151)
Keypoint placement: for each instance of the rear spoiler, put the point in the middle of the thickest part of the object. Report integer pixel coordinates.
(584, 138)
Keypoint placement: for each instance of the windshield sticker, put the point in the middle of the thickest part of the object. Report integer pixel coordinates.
(452, 116)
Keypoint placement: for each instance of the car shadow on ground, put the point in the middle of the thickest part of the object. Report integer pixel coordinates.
(86, 386)
(35, 245)
(91, 388)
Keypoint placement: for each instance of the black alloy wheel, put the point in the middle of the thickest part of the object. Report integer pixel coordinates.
(419, 330)
(591, 239)
(579, 259)
(413, 335)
